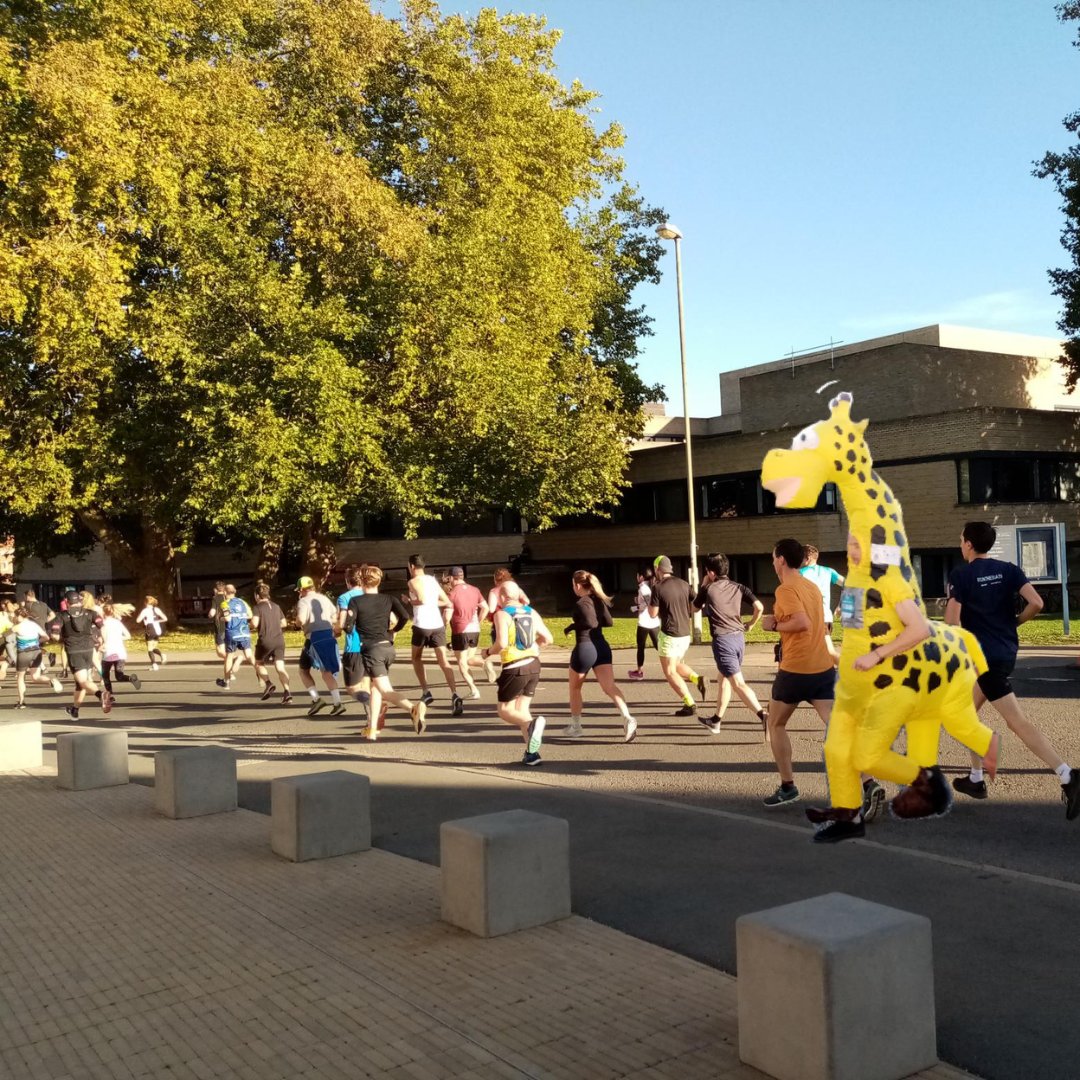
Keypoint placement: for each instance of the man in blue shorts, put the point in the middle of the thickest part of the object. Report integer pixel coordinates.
(317, 617)
(722, 601)
(234, 616)
(982, 598)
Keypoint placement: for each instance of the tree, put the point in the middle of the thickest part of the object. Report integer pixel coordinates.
(262, 262)
(1064, 170)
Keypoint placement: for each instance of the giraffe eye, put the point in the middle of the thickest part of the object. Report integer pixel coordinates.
(807, 439)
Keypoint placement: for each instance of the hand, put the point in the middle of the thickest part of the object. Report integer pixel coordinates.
(568, 629)
(865, 663)
(768, 622)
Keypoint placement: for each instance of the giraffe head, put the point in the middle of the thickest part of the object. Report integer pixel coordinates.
(830, 450)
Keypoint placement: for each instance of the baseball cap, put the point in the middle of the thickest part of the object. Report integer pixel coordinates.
(73, 598)
(457, 571)
(662, 564)
(305, 583)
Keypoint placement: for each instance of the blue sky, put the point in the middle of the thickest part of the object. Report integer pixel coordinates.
(839, 168)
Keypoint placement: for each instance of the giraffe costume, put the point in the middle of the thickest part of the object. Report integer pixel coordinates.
(925, 688)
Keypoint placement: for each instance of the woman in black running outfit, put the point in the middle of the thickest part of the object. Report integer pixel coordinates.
(592, 613)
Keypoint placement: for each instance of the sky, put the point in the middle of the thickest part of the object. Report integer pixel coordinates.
(840, 169)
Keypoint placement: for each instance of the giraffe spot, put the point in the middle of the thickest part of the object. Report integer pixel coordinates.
(874, 476)
(873, 599)
(952, 667)
(852, 470)
(949, 635)
(906, 571)
(877, 572)
(899, 662)
(912, 680)
(898, 536)
(862, 478)
(872, 492)
(888, 496)
(837, 445)
(880, 510)
(933, 682)
(882, 681)
(851, 436)
(838, 429)
(896, 518)
(863, 458)
(963, 646)
(877, 534)
(932, 652)
(916, 655)
(851, 455)
(968, 665)
(879, 629)
(839, 467)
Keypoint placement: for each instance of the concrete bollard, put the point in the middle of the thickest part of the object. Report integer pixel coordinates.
(320, 815)
(836, 988)
(194, 781)
(504, 872)
(20, 745)
(91, 759)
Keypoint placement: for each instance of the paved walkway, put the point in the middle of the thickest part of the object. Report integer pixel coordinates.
(132, 945)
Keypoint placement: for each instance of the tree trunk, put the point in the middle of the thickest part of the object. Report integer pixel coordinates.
(319, 553)
(269, 563)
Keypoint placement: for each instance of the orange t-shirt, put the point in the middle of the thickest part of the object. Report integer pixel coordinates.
(804, 652)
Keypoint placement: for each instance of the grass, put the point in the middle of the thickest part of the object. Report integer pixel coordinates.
(1045, 630)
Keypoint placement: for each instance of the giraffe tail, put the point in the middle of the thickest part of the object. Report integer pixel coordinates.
(974, 650)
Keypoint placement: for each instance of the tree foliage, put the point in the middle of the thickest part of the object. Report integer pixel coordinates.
(1064, 170)
(263, 262)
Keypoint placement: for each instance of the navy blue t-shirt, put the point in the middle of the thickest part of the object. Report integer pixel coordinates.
(987, 589)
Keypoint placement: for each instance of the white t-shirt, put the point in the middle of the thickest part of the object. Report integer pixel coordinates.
(644, 598)
(427, 615)
(315, 612)
(151, 618)
(28, 635)
(113, 635)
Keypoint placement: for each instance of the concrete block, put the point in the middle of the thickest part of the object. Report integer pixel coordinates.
(504, 872)
(20, 745)
(836, 988)
(320, 815)
(91, 759)
(194, 781)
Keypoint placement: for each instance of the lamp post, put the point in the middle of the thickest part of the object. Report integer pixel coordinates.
(667, 231)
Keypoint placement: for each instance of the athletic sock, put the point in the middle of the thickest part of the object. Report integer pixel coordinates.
(976, 776)
(335, 696)
(787, 785)
(1064, 773)
(687, 699)
(694, 675)
(313, 693)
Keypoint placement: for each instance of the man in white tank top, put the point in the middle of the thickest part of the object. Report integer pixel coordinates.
(431, 611)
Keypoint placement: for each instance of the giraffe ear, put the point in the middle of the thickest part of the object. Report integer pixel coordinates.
(844, 395)
(860, 427)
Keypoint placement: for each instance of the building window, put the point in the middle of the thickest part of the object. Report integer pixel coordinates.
(1017, 478)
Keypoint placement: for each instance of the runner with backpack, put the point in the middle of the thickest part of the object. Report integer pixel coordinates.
(80, 631)
(152, 619)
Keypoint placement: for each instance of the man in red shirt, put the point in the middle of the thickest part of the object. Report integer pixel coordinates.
(468, 611)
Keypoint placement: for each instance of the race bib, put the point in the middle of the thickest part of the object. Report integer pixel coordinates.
(884, 555)
(852, 606)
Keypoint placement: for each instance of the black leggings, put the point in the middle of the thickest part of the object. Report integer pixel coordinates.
(113, 669)
(645, 633)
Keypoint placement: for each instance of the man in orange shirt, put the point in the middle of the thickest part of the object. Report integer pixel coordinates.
(806, 667)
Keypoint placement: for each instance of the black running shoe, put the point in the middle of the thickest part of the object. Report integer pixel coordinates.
(781, 796)
(873, 800)
(457, 706)
(136, 682)
(703, 686)
(316, 706)
(686, 710)
(832, 832)
(1070, 795)
(269, 689)
(337, 710)
(72, 711)
(976, 789)
(713, 723)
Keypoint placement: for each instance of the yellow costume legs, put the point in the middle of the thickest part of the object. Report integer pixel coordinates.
(872, 752)
(962, 722)
(845, 785)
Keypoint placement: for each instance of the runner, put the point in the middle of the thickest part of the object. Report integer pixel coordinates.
(235, 615)
(807, 672)
(469, 611)
(152, 619)
(648, 625)
(592, 613)
(352, 664)
(269, 621)
(722, 600)
(7, 637)
(45, 617)
(30, 638)
(429, 603)
(824, 577)
(114, 634)
(519, 633)
(982, 599)
(317, 616)
(78, 630)
(216, 620)
(369, 614)
(671, 603)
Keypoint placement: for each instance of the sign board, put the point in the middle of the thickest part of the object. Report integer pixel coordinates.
(1039, 550)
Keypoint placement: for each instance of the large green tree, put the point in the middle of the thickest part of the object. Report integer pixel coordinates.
(260, 262)
(1064, 170)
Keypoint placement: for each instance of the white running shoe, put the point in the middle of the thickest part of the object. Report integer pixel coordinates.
(573, 730)
(489, 669)
(57, 685)
(475, 695)
(629, 730)
(153, 667)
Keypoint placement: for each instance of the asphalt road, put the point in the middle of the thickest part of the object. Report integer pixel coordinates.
(670, 841)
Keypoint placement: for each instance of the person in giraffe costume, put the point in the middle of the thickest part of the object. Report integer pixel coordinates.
(897, 669)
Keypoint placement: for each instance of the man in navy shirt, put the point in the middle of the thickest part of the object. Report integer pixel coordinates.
(982, 599)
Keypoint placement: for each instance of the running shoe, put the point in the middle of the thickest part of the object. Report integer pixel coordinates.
(489, 669)
(427, 697)
(686, 710)
(382, 716)
(20, 705)
(536, 735)
(419, 711)
(629, 730)
(457, 706)
(223, 683)
(832, 832)
(153, 667)
(286, 698)
(713, 723)
(316, 706)
(338, 709)
(164, 658)
(573, 730)
(531, 759)
(269, 689)
(57, 685)
(72, 711)
(703, 686)
(873, 800)
(1070, 795)
(781, 796)
(975, 789)
(136, 682)
(232, 677)
(635, 674)
(107, 701)
(475, 695)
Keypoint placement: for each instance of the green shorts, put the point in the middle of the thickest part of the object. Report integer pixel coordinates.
(674, 648)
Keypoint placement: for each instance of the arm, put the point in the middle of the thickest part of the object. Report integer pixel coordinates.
(755, 617)
(916, 629)
(952, 612)
(502, 635)
(400, 613)
(796, 623)
(255, 622)
(1034, 603)
(482, 610)
(543, 634)
(444, 602)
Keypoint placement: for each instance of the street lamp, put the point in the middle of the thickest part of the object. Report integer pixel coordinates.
(667, 231)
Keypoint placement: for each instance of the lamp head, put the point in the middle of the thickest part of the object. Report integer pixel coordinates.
(667, 231)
